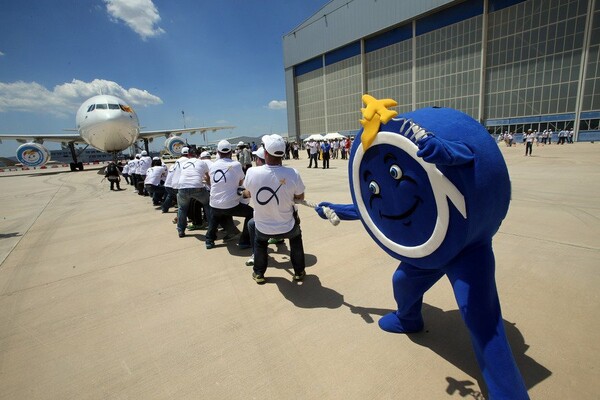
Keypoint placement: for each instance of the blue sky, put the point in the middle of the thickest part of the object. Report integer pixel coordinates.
(221, 62)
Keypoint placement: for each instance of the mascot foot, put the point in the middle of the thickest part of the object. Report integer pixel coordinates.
(391, 323)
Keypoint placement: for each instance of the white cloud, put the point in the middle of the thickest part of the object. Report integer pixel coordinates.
(277, 104)
(140, 15)
(64, 99)
(1, 54)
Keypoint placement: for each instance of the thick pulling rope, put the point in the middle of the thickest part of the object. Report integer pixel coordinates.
(329, 213)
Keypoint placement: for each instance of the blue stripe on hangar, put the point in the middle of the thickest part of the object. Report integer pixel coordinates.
(449, 16)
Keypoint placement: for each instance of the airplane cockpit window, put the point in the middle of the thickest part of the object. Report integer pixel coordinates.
(113, 107)
(91, 108)
(101, 106)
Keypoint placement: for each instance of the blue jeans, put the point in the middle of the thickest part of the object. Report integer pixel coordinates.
(219, 216)
(203, 197)
(261, 242)
(169, 198)
(183, 200)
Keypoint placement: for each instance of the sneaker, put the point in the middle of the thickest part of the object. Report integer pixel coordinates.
(300, 276)
(275, 241)
(250, 262)
(210, 245)
(193, 227)
(243, 246)
(181, 234)
(258, 278)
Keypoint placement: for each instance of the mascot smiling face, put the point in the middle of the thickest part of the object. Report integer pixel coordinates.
(421, 192)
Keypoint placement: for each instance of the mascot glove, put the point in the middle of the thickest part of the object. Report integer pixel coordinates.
(344, 211)
(443, 152)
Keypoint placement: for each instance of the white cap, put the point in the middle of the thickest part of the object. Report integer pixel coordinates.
(204, 154)
(137, 155)
(224, 146)
(144, 153)
(260, 153)
(185, 150)
(240, 144)
(274, 145)
(155, 158)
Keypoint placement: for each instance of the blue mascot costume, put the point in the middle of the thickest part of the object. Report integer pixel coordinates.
(431, 187)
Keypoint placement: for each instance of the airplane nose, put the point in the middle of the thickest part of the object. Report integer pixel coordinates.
(117, 131)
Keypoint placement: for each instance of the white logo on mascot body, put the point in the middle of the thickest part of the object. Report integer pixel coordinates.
(441, 186)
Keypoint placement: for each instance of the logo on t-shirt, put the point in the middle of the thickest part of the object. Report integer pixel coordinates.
(273, 193)
(220, 175)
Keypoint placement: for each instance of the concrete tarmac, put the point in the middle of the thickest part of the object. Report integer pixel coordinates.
(100, 299)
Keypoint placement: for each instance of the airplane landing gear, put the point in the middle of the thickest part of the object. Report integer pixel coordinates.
(76, 166)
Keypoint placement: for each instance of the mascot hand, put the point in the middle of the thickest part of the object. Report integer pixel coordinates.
(443, 152)
(344, 211)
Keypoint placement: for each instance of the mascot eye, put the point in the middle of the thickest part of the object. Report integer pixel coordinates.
(395, 172)
(374, 187)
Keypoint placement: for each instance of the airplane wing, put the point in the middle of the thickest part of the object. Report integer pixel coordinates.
(178, 132)
(43, 137)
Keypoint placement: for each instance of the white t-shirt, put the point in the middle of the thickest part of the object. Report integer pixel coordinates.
(225, 176)
(192, 173)
(273, 188)
(154, 175)
(177, 171)
(169, 179)
(209, 164)
(144, 163)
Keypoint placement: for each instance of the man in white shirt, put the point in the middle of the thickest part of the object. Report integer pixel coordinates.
(189, 185)
(226, 176)
(170, 191)
(313, 148)
(144, 163)
(273, 189)
(156, 174)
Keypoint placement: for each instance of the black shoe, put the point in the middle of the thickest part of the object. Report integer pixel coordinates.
(181, 234)
(210, 245)
(258, 278)
(300, 276)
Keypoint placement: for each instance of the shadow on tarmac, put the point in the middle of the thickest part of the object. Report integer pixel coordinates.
(456, 348)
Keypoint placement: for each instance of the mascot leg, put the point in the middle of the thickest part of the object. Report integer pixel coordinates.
(409, 284)
(472, 277)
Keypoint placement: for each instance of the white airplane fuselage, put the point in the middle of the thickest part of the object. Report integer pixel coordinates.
(107, 123)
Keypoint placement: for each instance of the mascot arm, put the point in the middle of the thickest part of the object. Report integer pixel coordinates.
(344, 211)
(435, 150)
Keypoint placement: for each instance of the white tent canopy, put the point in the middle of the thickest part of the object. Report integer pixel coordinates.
(315, 136)
(334, 135)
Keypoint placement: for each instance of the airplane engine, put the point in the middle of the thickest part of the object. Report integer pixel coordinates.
(174, 144)
(33, 155)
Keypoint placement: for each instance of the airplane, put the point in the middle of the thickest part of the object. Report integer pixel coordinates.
(105, 122)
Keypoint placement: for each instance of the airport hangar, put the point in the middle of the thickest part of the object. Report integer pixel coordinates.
(513, 65)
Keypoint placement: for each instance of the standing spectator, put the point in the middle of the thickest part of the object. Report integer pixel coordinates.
(326, 148)
(335, 149)
(244, 156)
(313, 149)
(529, 138)
(295, 149)
(549, 136)
(570, 136)
(273, 189)
(226, 176)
